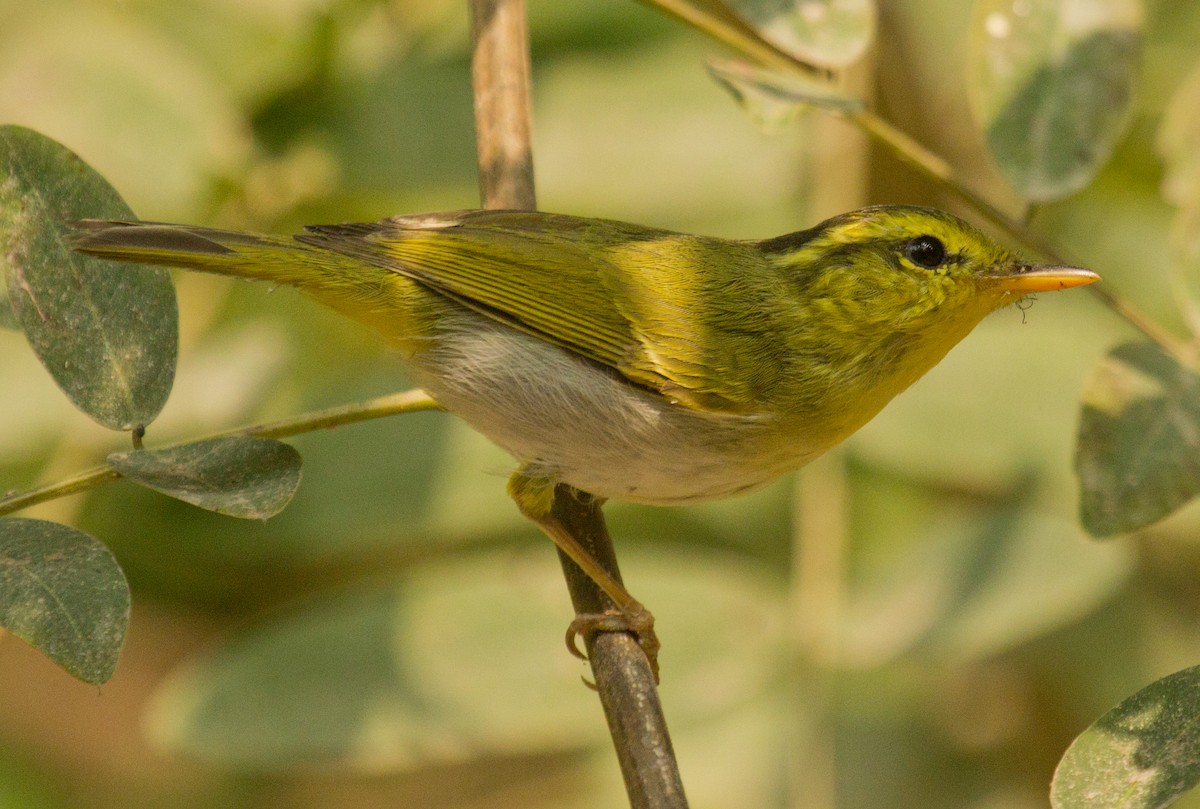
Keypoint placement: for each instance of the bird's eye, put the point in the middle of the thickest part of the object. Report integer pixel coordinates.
(926, 251)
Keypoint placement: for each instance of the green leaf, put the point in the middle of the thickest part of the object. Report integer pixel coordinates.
(240, 476)
(772, 98)
(459, 659)
(1140, 755)
(830, 33)
(1178, 143)
(979, 584)
(62, 592)
(106, 333)
(1023, 576)
(1051, 83)
(1138, 455)
(155, 109)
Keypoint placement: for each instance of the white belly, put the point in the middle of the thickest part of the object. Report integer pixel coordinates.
(573, 421)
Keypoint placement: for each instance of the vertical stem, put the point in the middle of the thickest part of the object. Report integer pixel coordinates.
(820, 533)
(501, 82)
(818, 573)
(623, 676)
(503, 106)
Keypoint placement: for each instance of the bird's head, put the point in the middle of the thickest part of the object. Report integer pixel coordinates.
(879, 295)
(910, 266)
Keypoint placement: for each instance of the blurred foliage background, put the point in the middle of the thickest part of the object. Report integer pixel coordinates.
(915, 621)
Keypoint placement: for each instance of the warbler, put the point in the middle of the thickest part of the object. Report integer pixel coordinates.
(632, 362)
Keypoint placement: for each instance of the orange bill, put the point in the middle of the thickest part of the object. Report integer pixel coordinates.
(1044, 279)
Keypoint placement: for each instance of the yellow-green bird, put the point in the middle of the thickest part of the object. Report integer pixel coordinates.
(631, 362)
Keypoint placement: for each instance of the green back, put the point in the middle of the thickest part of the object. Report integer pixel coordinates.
(687, 316)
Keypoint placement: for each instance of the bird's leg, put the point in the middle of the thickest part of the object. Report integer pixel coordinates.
(536, 498)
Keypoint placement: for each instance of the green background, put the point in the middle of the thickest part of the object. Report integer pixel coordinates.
(915, 621)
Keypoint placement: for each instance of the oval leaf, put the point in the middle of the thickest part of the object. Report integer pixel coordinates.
(1051, 84)
(1138, 456)
(830, 33)
(62, 592)
(240, 476)
(773, 99)
(1139, 755)
(405, 673)
(107, 334)
(979, 586)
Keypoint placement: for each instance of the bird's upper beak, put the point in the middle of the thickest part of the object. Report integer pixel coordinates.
(1025, 278)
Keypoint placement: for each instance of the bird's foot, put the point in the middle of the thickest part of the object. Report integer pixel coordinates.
(639, 623)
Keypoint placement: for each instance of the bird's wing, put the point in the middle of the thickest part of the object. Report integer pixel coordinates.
(626, 297)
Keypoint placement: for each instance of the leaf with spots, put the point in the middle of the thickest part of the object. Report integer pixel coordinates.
(1138, 455)
(107, 333)
(1051, 83)
(1140, 755)
(62, 592)
(239, 476)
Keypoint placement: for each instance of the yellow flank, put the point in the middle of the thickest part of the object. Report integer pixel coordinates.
(634, 362)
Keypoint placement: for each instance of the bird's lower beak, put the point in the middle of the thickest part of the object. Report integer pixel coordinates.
(1026, 278)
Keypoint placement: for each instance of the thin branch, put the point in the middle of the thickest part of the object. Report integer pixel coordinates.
(624, 679)
(407, 402)
(503, 105)
(725, 25)
(80, 482)
(394, 404)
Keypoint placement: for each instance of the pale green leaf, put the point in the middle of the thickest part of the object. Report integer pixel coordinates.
(240, 476)
(773, 99)
(62, 592)
(106, 333)
(1051, 83)
(1021, 577)
(980, 585)
(1179, 145)
(461, 659)
(1143, 754)
(829, 33)
(149, 110)
(1138, 455)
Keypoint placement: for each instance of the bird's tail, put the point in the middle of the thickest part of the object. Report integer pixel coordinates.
(279, 259)
(368, 291)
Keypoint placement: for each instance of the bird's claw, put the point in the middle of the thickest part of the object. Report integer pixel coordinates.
(640, 624)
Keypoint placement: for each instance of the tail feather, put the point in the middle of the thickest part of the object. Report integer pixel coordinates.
(248, 255)
(362, 289)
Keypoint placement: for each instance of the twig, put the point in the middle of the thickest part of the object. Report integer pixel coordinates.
(406, 402)
(624, 680)
(723, 24)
